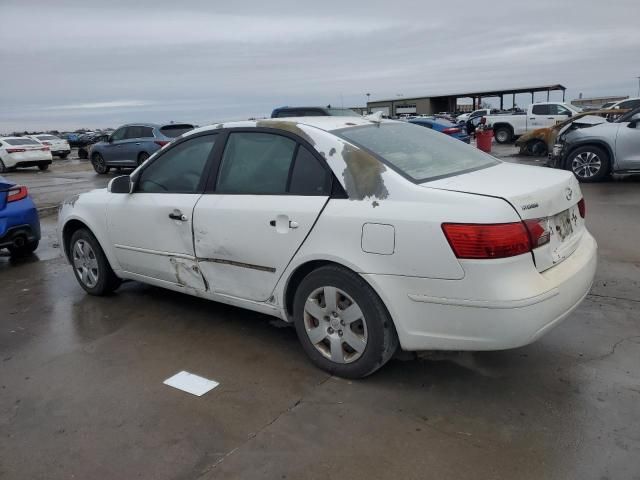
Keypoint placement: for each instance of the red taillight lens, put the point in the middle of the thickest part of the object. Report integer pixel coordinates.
(451, 130)
(17, 193)
(538, 231)
(162, 143)
(582, 208)
(487, 241)
(16, 150)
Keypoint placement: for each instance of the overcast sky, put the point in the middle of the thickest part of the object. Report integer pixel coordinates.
(68, 64)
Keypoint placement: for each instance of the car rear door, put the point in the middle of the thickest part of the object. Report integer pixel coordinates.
(151, 228)
(268, 193)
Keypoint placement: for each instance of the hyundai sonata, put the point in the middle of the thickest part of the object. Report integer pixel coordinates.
(367, 235)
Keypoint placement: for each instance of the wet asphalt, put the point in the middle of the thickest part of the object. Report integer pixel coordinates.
(81, 392)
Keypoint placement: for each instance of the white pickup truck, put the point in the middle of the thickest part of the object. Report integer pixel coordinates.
(506, 127)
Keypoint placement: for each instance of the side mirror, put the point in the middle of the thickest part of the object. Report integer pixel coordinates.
(121, 184)
(570, 114)
(633, 124)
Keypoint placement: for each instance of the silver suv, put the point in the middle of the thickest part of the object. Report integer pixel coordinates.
(593, 153)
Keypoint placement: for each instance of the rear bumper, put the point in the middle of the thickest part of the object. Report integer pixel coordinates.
(19, 218)
(32, 163)
(511, 306)
(19, 232)
(66, 151)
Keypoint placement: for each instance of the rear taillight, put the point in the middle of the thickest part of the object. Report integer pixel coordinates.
(16, 150)
(538, 231)
(17, 193)
(582, 208)
(487, 240)
(451, 130)
(162, 143)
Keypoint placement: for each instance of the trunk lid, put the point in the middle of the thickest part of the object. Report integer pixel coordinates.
(535, 193)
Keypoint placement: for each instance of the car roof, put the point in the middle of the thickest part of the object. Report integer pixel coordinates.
(326, 123)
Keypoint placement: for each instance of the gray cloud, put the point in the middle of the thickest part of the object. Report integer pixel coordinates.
(102, 63)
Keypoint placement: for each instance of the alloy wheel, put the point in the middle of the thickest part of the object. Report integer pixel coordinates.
(586, 164)
(99, 164)
(85, 263)
(335, 325)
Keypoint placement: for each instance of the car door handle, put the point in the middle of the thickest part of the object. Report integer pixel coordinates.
(137, 143)
(550, 118)
(177, 215)
(292, 224)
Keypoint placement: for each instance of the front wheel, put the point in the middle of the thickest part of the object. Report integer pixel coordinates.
(142, 158)
(90, 265)
(589, 164)
(343, 326)
(99, 165)
(3, 168)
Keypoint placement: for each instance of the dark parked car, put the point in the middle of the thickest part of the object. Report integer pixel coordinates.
(327, 111)
(19, 222)
(442, 125)
(132, 144)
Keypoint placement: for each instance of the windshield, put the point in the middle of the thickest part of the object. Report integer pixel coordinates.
(342, 112)
(416, 152)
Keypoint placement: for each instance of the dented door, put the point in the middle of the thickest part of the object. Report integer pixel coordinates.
(152, 236)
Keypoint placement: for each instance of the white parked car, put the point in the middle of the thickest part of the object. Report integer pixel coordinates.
(59, 147)
(365, 234)
(23, 152)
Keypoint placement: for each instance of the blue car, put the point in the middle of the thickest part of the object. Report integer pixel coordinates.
(445, 126)
(132, 144)
(19, 222)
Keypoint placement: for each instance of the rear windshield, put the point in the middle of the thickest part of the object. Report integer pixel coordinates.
(175, 130)
(20, 141)
(46, 137)
(416, 152)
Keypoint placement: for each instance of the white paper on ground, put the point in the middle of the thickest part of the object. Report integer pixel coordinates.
(190, 383)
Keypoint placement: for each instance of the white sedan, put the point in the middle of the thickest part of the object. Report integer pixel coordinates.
(59, 146)
(367, 235)
(23, 152)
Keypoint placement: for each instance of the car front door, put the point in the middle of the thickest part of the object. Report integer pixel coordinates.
(268, 193)
(130, 145)
(112, 148)
(540, 117)
(151, 228)
(628, 144)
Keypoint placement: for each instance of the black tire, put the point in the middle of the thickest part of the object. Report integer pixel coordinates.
(99, 165)
(63, 156)
(538, 148)
(3, 169)
(83, 154)
(107, 281)
(142, 157)
(25, 250)
(43, 166)
(503, 134)
(589, 163)
(381, 337)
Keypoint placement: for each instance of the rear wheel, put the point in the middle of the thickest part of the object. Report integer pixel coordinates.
(589, 163)
(3, 169)
(90, 265)
(43, 166)
(99, 165)
(64, 155)
(83, 154)
(23, 250)
(342, 324)
(503, 134)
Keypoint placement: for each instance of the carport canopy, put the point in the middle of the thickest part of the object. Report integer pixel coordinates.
(452, 100)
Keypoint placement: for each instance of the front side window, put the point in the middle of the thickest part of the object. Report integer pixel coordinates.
(118, 134)
(541, 110)
(416, 152)
(560, 110)
(255, 163)
(178, 170)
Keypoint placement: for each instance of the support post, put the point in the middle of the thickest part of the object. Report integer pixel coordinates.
(513, 101)
(501, 102)
(531, 97)
(547, 95)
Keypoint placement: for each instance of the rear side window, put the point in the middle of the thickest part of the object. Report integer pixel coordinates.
(139, 132)
(175, 130)
(21, 141)
(288, 113)
(47, 137)
(255, 163)
(541, 110)
(178, 170)
(309, 177)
